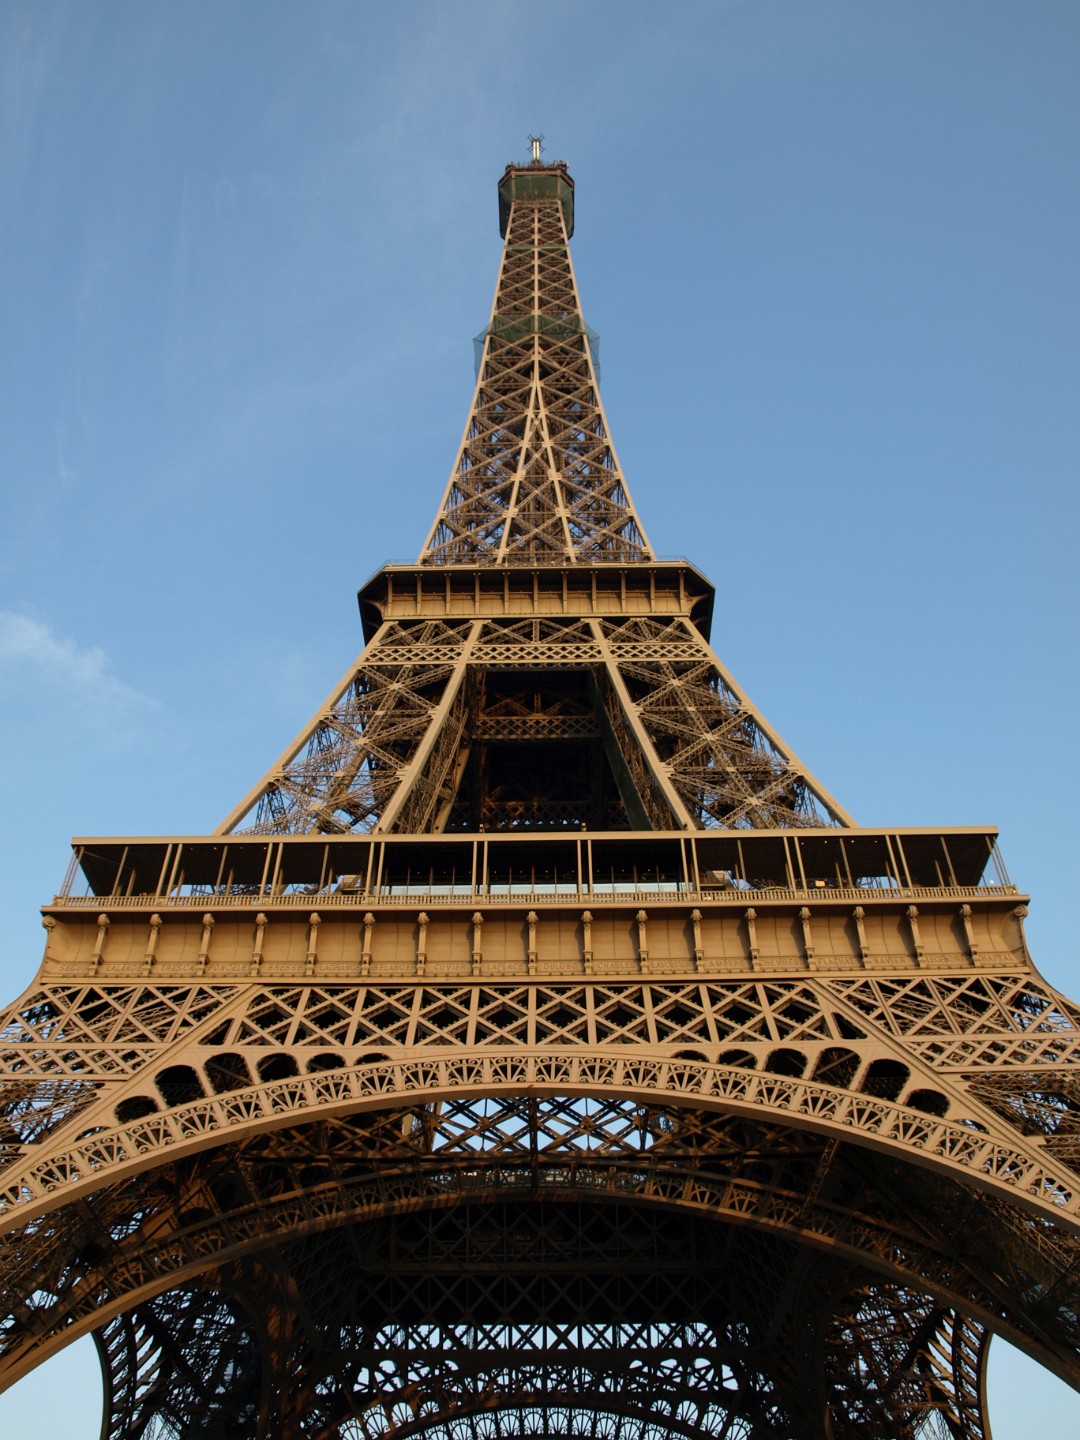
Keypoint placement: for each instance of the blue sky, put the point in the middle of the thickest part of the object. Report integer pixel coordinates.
(829, 245)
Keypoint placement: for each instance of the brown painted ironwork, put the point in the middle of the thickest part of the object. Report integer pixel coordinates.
(538, 1049)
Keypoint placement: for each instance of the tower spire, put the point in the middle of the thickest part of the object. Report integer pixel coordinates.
(536, 480)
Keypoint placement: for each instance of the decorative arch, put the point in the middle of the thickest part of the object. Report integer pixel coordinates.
(199, 1208)
(974, 1146)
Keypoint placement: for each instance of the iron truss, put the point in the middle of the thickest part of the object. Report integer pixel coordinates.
(536, 481)
(450, 724)
(844, 1124)
(642, 1133)
(635, 1326)
(393, 1270)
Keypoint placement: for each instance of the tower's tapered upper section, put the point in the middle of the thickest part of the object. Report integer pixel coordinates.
(536, 480)
(537, 668)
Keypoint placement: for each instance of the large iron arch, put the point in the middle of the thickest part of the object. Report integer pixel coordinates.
(202, 1206)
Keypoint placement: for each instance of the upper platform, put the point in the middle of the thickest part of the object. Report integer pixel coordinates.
(536, 181)
(612, 590)
(746, 867)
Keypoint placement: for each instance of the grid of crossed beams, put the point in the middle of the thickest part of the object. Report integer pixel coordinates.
(57, 1269)
(409, 689)
(510, 1321)
(1012, 1039)
(537, 480)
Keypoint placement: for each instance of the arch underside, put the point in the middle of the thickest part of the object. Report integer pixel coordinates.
(534, 1319)
(530, 1252)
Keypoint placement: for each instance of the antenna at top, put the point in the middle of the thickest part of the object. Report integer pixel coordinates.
(537, 143)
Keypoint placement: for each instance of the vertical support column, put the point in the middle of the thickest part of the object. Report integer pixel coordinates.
(916, 938)
(261, 923)
(694, 870)
(799, 880)
(897, 846)
(263, 883)
(699, 950)
(422, 923)
(166, 861)
(795, 882)
(532, 920)
(365, 944)
(750, 916)
(172, 881)
(859, 916)
(969, 932)
(204, 944)
(312, 957)
(898, 873)
(151, 944)
(477, 949)
(641, 919)
(807, 935)
(586, 940)
(100, 938)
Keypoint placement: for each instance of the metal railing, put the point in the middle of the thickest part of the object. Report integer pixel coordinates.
(418, 896)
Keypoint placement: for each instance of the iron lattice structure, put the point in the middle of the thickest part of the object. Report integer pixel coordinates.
(539, 1050)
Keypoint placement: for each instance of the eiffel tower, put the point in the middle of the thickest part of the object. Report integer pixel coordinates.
(539, 1050)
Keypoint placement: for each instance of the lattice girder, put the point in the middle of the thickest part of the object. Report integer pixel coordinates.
(685, 1042)
(618, 1147)
(107, 1043)
(604, 1309)
(311, 1198)
(536, 480)
(389, 749)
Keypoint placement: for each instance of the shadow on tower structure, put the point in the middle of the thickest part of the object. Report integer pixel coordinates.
(539, 1050)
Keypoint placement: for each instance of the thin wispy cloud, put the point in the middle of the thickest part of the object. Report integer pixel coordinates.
(31, 648)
